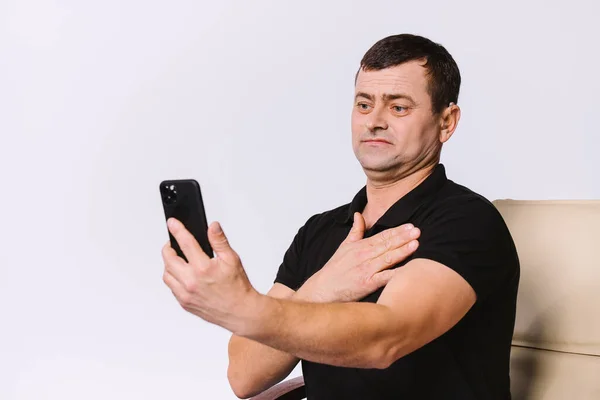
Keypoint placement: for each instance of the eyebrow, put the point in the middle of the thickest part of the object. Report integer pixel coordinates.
(386, 97)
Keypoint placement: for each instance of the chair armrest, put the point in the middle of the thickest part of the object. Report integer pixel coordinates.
(292, 389)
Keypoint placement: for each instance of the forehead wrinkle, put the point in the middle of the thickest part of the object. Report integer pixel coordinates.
(379, 85)
(394, 84)
(388, 94)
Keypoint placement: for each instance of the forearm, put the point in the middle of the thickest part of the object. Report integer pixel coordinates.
(361, 335)
(255, 367)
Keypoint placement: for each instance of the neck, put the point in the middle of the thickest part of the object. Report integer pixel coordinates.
(382, 195)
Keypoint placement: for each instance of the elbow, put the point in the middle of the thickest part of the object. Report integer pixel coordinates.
(381, 363)
(386, 354)
(240, 385)
(241, 393)
(239, 380)
(240, 390)
(244, 384)
(391, 347)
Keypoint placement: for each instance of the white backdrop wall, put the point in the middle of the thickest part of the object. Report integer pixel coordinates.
(100, 101)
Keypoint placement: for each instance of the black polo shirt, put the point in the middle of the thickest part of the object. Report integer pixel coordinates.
(459, 229)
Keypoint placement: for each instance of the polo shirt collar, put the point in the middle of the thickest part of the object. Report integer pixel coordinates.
(406, 206)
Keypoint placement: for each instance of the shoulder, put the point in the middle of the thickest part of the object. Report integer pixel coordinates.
(465, 232)
(464, 218)
(456, 204)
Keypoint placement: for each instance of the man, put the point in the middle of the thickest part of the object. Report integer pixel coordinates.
(371, 312)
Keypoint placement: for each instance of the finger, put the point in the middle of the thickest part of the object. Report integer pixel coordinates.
(187, 242)
(394, 238)
(358, 228)
(390, 258)
(220, 244)
(382, 278)
(169, 251)
(172, 282)
(176, 287)
(175, 265)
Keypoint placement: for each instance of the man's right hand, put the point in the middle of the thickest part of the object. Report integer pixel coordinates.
(360, 266)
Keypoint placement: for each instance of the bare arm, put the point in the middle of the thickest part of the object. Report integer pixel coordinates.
(218, 290)
(421, 302)
(255, 367)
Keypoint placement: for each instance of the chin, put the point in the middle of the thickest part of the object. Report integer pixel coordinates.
(378, 167)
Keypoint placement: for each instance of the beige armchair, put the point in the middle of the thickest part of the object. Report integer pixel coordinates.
(556, 345)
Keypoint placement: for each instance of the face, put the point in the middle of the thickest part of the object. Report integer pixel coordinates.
(394, 130)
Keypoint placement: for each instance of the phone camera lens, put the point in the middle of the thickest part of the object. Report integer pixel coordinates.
(169, 194)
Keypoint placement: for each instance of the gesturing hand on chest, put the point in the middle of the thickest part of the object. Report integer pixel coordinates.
(360, 265)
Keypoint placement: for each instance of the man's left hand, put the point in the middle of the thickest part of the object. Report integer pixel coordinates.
(215, 289)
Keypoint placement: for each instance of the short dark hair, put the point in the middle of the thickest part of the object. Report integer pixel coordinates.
(442, 71)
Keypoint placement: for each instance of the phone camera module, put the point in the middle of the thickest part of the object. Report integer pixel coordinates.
(169, 194)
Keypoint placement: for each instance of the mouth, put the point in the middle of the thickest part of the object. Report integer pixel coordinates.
(376, 141)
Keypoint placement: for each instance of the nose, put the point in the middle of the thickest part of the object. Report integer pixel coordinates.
(376, 121)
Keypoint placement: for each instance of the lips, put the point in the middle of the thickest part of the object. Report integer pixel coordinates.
(376, 141)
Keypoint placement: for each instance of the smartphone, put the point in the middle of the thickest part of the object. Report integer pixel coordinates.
(182, 199)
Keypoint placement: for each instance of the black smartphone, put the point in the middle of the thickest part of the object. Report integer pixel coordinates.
(182, 199)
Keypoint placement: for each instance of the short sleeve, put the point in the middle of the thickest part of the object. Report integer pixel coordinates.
(291, 272)
(470, 237)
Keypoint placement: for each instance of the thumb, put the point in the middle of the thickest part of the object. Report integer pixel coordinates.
(220, 244)
(358, 228)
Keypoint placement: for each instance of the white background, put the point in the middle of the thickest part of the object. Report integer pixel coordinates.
(101, 100)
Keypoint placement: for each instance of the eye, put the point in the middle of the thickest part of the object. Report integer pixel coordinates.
(363, 107)
(399, 110)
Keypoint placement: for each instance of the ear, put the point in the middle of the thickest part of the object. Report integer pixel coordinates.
(449, 122)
